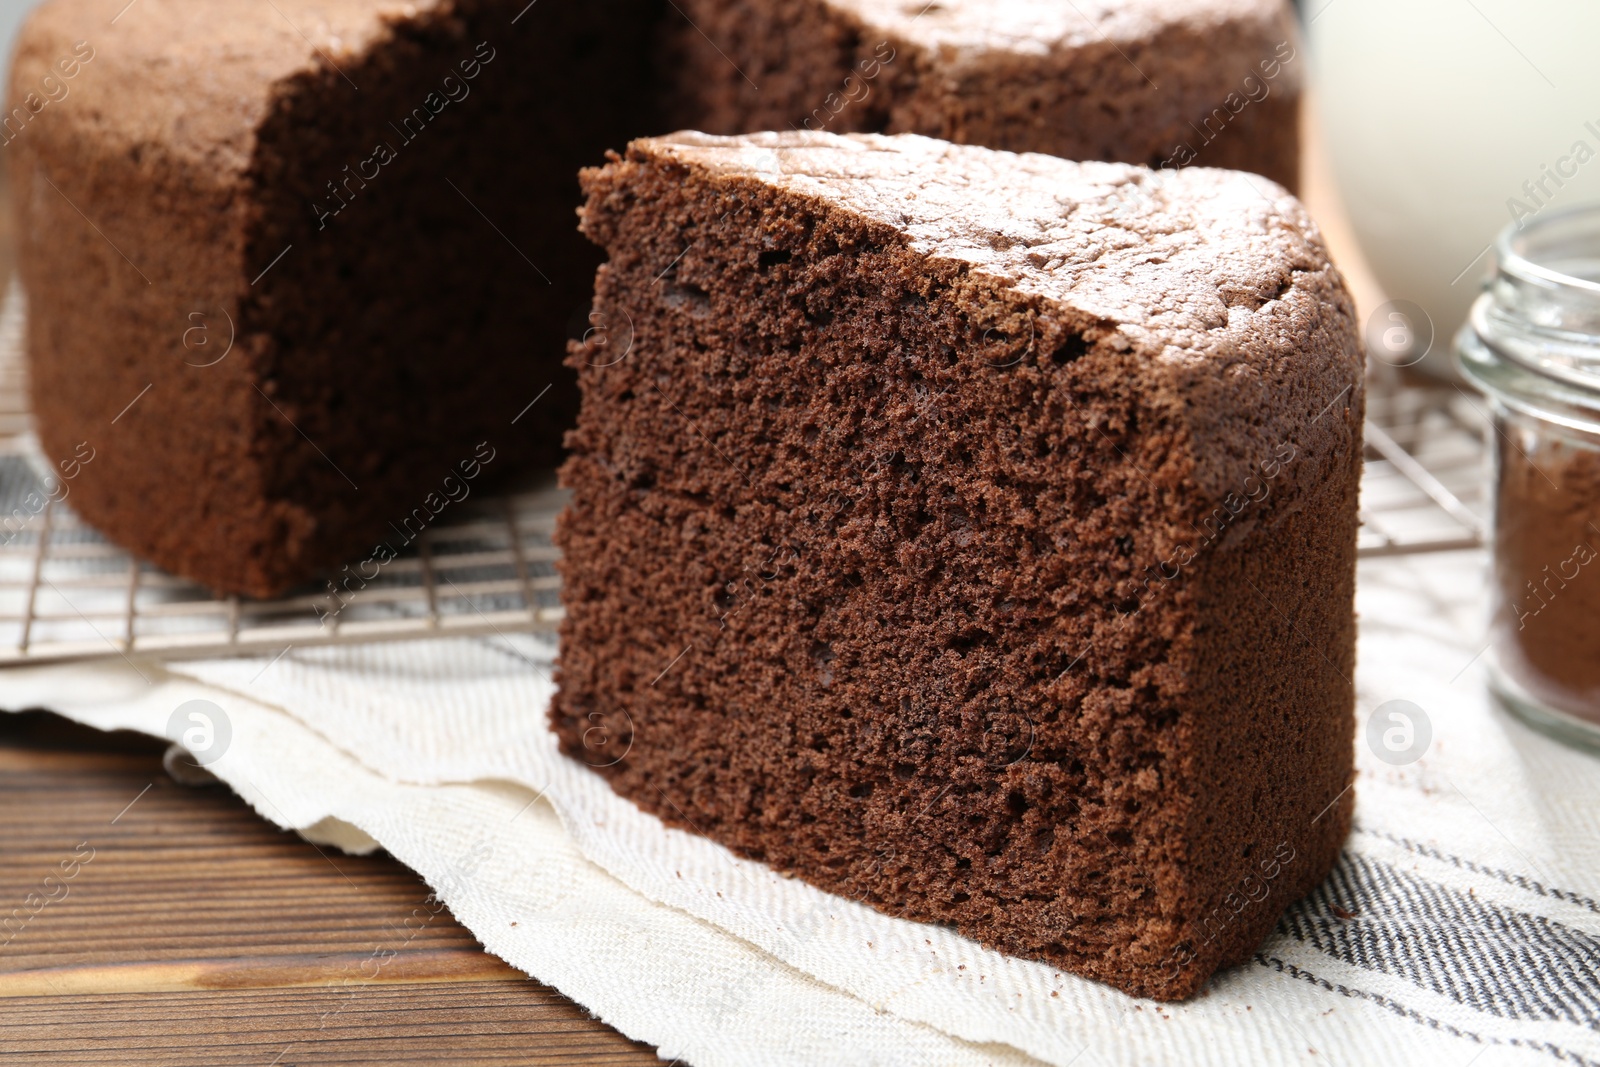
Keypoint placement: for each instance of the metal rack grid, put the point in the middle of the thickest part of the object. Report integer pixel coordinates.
(1423, 486)
(66, 593)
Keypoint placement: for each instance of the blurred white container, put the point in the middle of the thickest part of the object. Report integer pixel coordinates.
(1446, 120)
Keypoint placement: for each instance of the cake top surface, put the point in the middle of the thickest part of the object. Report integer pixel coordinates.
(1037, 26)
(194, 75)
(199, 75)
(277, 37)
(1183, 253)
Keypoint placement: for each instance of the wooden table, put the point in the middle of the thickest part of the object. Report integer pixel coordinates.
(171, 925)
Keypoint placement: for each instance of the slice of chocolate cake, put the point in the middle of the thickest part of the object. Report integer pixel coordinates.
(972, 534)
(292, 265)
(1164, 82)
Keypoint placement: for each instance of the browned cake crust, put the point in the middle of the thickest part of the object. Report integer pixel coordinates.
(1170, 83)
(972, 534)
(372, 201)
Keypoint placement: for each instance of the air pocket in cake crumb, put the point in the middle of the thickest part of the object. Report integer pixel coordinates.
(686, 297)
(822, 655)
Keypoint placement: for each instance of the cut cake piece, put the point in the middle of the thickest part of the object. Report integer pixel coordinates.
(971, 534)
(295, 268)
(1170, 83)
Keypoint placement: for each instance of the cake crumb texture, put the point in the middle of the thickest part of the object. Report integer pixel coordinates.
(973, 535)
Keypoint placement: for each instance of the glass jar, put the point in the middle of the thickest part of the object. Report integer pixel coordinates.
(1533, 346)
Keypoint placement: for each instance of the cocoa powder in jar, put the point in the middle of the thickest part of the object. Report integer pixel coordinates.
(1547, 567)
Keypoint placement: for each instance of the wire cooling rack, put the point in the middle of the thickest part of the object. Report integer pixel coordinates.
(1423, 489)
(66, 593)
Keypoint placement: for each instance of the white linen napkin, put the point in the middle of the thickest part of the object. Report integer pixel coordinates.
(1461, 925)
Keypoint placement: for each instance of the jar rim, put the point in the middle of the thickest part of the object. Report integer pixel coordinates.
(1516, 258)
(1533, 336)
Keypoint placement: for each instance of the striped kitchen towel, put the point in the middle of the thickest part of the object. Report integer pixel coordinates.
(1461, 925)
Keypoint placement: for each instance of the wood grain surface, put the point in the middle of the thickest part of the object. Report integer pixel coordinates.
(146, 922)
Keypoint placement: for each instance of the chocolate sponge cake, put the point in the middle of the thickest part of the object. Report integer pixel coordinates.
(1163, 82)
(972, 534)
(292, 264)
